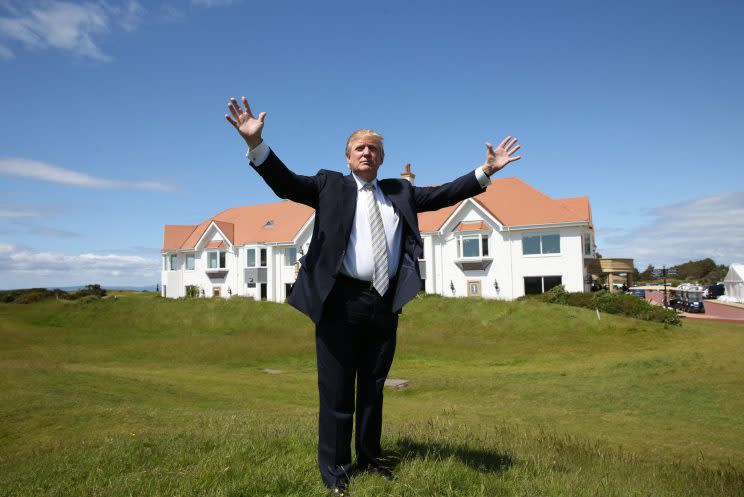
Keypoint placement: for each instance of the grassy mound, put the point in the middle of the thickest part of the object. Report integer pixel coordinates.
(146, 396)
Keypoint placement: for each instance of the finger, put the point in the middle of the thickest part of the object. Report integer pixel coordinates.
(512, 159)
(233, 111)
(513, 150)
(489, 147)
(232, 121)
(262, 116)
(236, 104)
(504, 142)
(247, 107)
(510, 144)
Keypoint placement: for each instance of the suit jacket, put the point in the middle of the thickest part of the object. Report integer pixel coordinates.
(334, 196)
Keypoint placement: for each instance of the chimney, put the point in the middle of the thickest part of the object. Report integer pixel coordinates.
(407, 174)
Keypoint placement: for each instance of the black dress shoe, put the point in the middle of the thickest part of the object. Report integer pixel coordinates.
(340, 490)
(382, 470)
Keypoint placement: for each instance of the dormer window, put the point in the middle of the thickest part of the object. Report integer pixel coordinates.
(472, 245)
(216, 260)
(269, 224)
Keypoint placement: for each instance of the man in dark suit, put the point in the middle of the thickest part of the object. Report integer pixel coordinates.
(359, 271)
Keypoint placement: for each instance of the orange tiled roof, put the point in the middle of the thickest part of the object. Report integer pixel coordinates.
(247, 224)
(515, 203)
(510, 200)
(175, 235)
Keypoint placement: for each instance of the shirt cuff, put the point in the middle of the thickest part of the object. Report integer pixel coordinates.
(259, 154)
(482, 177)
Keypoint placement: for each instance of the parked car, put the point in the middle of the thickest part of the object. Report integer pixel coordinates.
(638, 292)
(714, 291)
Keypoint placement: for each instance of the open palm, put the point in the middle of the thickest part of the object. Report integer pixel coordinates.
(498, 158)
(249, 126)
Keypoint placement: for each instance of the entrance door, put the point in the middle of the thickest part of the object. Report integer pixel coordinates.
(474, 288)
(216, 291)
(264, 294)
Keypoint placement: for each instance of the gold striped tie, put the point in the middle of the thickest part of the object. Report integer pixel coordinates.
(380, 280)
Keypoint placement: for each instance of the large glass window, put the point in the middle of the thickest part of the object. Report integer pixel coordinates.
(587, 244)
(250, 258)
(190, 262)
(173, 262)
(472, 246)
(551, 244)
(165, 262)
(535, 285)
(216, 260)
(290, 256)
(541, 243)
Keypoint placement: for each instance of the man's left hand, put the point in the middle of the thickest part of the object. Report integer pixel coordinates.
(498, 158)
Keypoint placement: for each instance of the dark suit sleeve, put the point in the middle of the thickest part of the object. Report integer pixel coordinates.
(432, 198)
(286, 184)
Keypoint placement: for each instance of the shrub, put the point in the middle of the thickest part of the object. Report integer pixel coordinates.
(556, 295)
(609, 302)
(580, 299)
(31, 297)
(88, 299)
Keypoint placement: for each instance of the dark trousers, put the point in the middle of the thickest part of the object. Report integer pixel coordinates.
(355, 342)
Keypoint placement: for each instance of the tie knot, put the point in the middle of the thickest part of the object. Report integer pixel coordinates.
(369, 186)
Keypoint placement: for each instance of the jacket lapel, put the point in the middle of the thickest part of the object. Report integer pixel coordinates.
(396, 193)
(347, 208)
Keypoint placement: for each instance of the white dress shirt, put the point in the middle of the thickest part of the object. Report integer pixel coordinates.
(358, 260)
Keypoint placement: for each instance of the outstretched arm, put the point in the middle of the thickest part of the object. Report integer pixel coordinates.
(285, 183)
(432, 198)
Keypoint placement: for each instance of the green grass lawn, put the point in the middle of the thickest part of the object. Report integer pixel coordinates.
(140, 396)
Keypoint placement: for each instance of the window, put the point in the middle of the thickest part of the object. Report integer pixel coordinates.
(262, 257)
(534, 285)
(587, 244)
(173, 262)
(165, 262)
(472, 246)
(250, 258)
(541, 243)
(190, 262)
(215, 260)
(290, 256)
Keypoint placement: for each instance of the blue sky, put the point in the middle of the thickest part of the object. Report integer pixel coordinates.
(113, 115)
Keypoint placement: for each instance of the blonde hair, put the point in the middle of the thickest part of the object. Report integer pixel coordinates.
(361, 133)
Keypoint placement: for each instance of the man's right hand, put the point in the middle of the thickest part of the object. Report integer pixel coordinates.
(249, 127)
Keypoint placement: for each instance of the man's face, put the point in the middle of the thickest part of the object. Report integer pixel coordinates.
(365, 157)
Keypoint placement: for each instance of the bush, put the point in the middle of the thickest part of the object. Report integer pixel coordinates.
(90, 290)
(88, 299)
(580, 299)
(556, 295)
(609, 302)
(31, 297)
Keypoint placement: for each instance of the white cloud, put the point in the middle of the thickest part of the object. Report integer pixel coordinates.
(23, 268)
(710, 226)
(212, 3)
(67, 26)
(27, 168)
(17, 213)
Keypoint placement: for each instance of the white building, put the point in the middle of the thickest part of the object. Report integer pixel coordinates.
(510, 240)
